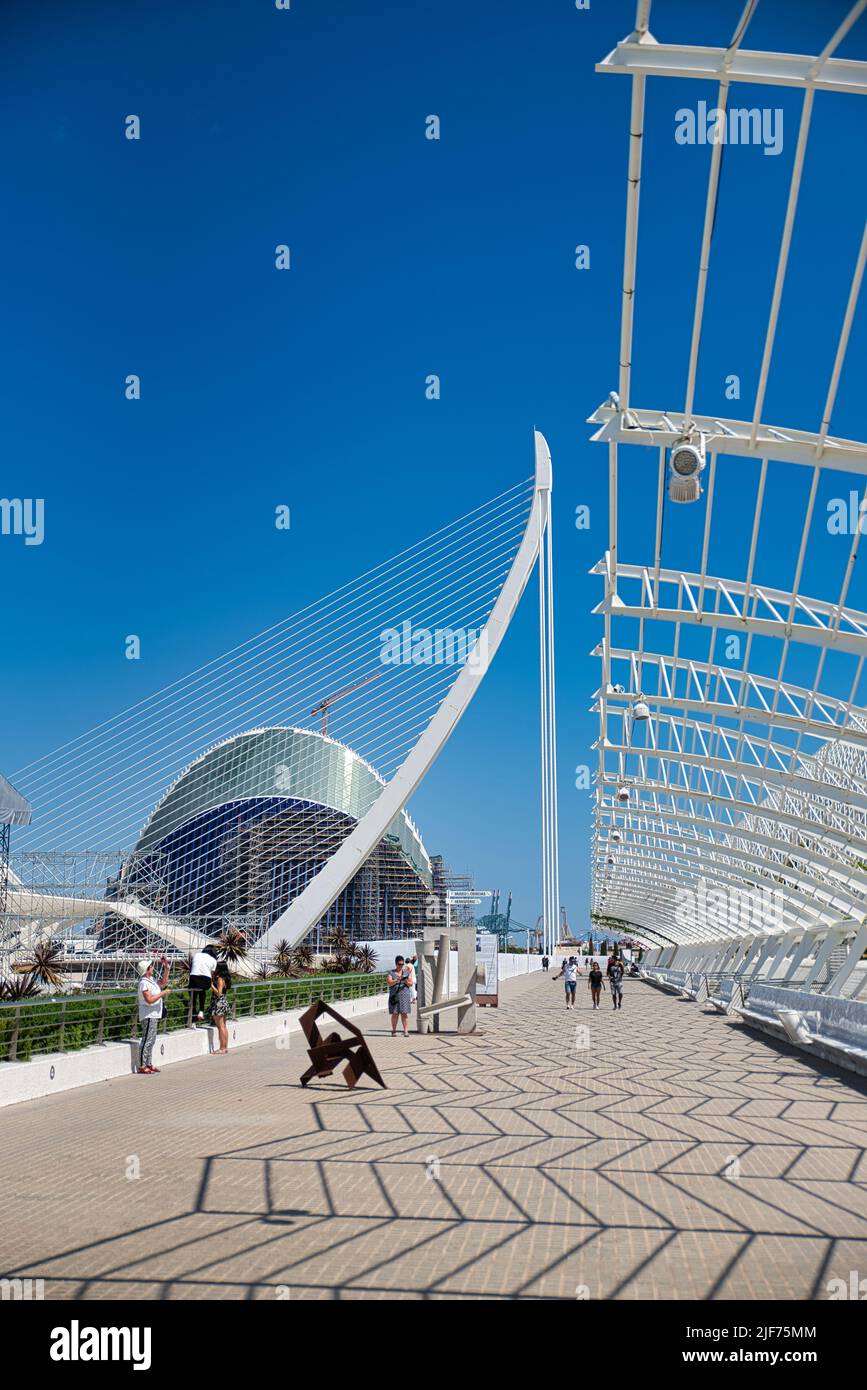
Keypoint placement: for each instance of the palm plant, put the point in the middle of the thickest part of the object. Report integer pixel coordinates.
(302, 958)
(19, 987)
(284, 958)
(233, 945)
(365, 959)
(340, 945)
(44, 964)
(265, 972)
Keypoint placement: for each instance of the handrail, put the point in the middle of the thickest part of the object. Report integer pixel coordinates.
(184, 989)
(77, 1021)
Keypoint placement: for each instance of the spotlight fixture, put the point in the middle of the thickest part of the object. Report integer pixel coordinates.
(685, 465)
(640, 708)
(616, 836)
(623, 793)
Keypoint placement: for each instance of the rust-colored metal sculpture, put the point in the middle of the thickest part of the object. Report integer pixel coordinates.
(326, 1053)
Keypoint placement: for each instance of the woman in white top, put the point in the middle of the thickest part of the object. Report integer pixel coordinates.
(150, 1010)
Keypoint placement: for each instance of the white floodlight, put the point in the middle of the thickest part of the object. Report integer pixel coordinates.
(623, 793)
(685, 465)
(640, 708)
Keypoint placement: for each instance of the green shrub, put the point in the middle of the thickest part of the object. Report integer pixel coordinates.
(72, 1023)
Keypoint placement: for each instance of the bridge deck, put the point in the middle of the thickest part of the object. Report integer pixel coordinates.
(678, 1156)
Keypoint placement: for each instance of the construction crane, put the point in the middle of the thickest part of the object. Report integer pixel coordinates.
(324, 705)
(566, 936)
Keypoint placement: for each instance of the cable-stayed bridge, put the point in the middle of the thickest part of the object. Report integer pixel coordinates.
(229, 801)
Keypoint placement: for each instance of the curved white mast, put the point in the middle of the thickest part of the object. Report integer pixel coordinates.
(314, 901)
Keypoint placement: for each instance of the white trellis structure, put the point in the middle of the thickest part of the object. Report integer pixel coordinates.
(730, 813)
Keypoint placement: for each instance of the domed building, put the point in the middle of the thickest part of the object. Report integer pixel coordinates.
(246, 826)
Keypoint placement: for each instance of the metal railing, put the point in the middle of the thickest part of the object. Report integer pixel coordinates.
(69, 1022)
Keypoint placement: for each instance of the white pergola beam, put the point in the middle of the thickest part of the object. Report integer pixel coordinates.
(747, 65)
(660, 429)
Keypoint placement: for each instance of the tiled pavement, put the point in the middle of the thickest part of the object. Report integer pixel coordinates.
(674, 1156)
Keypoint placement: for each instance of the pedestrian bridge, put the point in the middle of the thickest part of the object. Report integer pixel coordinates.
(663, 1152)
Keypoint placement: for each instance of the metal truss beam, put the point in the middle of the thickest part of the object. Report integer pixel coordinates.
(651, 59)
(661, 429)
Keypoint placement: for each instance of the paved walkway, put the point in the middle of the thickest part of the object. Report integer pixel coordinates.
(676, 1156)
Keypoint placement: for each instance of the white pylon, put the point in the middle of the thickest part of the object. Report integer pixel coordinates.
(548, 737)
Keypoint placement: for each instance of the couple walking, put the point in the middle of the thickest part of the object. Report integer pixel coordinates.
(615, 973)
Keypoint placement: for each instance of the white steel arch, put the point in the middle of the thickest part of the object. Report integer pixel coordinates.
(316, 898)
(732, 748)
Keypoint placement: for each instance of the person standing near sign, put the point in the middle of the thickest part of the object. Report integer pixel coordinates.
(401, 982)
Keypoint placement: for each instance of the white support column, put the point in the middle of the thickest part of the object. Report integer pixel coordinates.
(786, 945)
(832, 940)
(857, 947)
(807, 942)
(549, 834)
(767, 948)
(754, 945)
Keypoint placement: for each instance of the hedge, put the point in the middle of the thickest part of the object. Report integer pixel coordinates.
(77, 1021)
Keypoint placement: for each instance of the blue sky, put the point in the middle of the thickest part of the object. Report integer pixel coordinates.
(409, 257)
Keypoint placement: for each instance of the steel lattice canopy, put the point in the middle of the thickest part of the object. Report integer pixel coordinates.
(731, 791)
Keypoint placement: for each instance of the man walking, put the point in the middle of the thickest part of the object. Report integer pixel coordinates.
(615, 979)
(570, 971)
